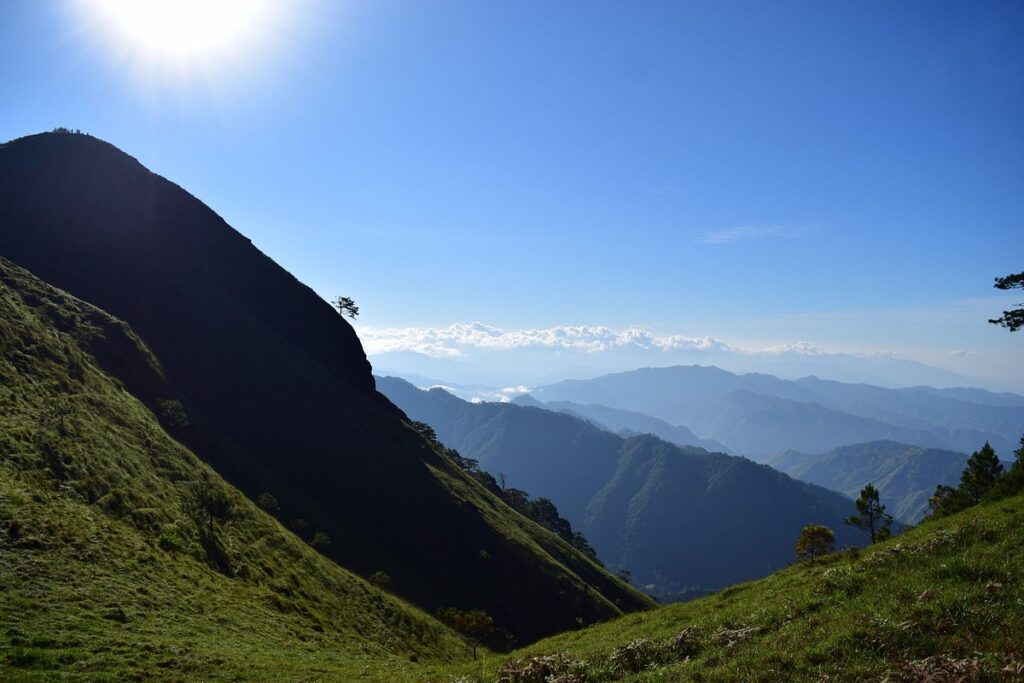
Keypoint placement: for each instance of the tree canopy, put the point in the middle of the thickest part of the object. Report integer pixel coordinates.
(1012, 319)
(982, 479)
(871, 515)
(346, 306)
(814, 540)
(981, 474)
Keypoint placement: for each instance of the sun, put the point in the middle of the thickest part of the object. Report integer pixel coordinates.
(183, 31)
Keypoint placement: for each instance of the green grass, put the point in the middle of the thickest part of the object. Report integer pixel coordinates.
(943, 602)
(104, 574)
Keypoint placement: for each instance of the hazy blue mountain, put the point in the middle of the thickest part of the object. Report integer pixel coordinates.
(958, 423)
(627, 423)
(683, 520)
(905, 475)
(757, 424)
(981, 396)
(535, 365)
(759, 414)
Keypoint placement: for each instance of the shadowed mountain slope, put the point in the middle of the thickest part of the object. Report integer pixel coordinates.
(277, 391)
(682, 520)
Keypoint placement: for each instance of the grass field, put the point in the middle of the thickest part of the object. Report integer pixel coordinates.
(943, 602)
(105, 573)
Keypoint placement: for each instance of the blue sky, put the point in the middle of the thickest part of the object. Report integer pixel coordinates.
(849, 174)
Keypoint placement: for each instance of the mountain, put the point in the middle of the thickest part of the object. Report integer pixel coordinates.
(906, 476)
(109, 568)
(477, 353)
(627, 423)
(549, 454)
(1005, 399)
(684, 521)
(949, 415)
(939, 603)
(758, 414)
(276, 393)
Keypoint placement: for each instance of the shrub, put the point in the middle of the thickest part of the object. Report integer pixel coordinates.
(381, 580)
(686, 643)
(268, 503)
(173, 413)
(634, 656)
(558, 666)
(814, 541)
(169, 538)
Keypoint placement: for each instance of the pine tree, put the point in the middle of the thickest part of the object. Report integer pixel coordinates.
(871, 515)
(982, 473)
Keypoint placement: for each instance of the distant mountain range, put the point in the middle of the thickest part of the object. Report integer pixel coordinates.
(585, 352)
(626, 423)
(684, 521)
(757, 414)
(906, 476)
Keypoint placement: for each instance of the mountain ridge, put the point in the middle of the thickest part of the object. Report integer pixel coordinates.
(757, 414)
(277, 391)
(905, 475)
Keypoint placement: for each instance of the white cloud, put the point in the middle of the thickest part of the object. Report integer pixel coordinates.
(749, 232)
(796, 347)
(461, 339)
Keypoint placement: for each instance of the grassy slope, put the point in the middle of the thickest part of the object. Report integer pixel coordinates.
(278, 391)
(944, 601)
(90, 484)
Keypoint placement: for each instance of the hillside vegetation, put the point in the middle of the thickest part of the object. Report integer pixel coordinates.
(939, 603)
(107, 568)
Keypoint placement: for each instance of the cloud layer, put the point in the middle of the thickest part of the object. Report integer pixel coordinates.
(459, 339)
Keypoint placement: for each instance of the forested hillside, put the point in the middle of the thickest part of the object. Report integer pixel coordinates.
(905, 475)
(682, 520)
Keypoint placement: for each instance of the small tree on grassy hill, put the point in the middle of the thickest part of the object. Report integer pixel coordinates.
(871, 515)
(814, 540)
(380, 580)
(473, 624)
(982, 472)
(269, 503)
(425, 430)
(946, 501)
(1013, 481)
(208, 505)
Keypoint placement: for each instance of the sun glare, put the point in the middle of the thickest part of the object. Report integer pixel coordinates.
(184, 31)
